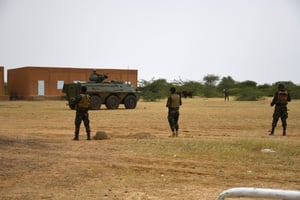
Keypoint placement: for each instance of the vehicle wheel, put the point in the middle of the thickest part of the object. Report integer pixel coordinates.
(130, 102)
(95, 103)
(112, 102)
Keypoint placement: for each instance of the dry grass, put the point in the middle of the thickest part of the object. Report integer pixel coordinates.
(219, 147)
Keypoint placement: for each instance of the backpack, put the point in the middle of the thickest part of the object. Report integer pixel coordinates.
(282, 96)
(84, 102)
(175, 101)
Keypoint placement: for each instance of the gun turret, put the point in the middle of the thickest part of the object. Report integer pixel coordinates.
(98, 78)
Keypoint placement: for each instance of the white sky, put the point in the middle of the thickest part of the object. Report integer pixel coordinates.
(256, 40)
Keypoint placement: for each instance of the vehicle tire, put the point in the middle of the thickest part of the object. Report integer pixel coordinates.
(112, 102)
(130, 102)
(95, 103)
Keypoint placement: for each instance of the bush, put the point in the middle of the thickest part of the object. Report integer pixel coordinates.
(211, 92)
(249, 94)
(155, 89)
(150, 96)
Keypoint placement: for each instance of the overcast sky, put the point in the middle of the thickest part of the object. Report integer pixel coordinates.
(256, 40)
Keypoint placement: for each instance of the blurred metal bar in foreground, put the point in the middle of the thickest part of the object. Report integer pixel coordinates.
(260, 192)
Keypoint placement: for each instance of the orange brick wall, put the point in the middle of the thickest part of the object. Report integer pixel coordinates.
(23, 82)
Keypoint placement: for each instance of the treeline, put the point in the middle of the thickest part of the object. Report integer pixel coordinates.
(213, 86)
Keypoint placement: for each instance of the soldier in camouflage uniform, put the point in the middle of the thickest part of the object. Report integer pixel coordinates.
(226, 94)
(280, 100)
(173, 103)
(81, 106)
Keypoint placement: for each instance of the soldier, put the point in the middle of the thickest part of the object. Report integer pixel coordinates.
(226, 94)
(280, 100)
(81, 106)
(173, 103)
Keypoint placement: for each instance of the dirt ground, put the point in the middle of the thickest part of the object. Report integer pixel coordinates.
(219, 147)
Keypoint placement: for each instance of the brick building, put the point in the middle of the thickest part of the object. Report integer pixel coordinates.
(47, 82)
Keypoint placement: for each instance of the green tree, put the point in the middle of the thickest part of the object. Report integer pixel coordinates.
(226, 83)
(210, 80)
(265, 89)
(244, 91)
(247, 84)
(192, 86)
(248, 91)
(155, 89)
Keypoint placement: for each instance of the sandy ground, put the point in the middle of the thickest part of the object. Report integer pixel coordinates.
(39, 159)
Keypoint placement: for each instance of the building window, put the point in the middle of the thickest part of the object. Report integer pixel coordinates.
(41, 87)
(60, 85)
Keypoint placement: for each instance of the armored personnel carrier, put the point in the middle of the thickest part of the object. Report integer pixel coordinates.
(112, 93)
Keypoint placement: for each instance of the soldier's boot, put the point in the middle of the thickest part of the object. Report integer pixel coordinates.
(272, 131)
(284, 131)
(173, 134)
(76, 136)
(88, 136)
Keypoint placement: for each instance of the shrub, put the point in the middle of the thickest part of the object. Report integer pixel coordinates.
(249, 94)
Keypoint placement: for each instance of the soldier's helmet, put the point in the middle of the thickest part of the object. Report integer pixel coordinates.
(172, 90)
(281, 86)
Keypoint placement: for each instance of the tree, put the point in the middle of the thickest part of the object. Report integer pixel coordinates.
(244, 91)
(226, 83)
(265, 89)
(192, 86)
(248, 91)
(155, 89)
(211, 80)
(247, 84)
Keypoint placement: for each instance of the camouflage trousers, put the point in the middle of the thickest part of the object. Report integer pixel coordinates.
(173, 116)
(280, 112)
(82, 115)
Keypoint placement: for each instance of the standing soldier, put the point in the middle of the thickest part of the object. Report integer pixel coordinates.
(226, 94)
(173, 103)
(280, 100)
(81, 106)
